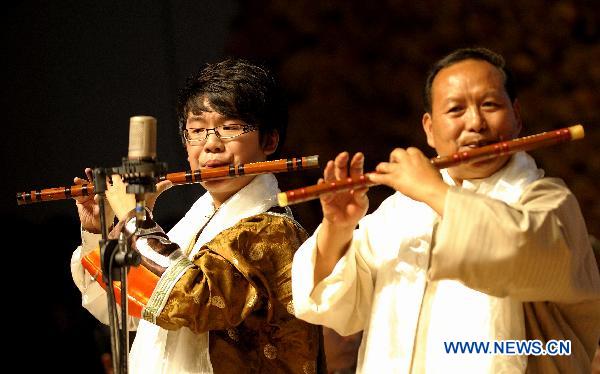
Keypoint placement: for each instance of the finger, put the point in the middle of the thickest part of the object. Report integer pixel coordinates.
(114, 184)
(109, 184)
(398, 154)
(329, 173)
(82, 199)
(163, 186)
(360, 193)
(326, 198)
(413, 151)
(379, 178)
(97, 198)
(78, 180)
(357, 164)
(341, 165)
(382, 168)
(117, 180)
(89, 173)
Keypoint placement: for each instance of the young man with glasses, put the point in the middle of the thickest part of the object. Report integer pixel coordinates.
(226, 265)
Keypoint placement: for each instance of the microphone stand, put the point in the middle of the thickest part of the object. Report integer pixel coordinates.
(115, 258)
(140, 171)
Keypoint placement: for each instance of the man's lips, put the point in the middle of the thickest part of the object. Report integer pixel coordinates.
(214, 164)
(474, 144)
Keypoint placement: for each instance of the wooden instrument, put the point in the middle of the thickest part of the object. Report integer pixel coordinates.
(441, 162)
(184, 177)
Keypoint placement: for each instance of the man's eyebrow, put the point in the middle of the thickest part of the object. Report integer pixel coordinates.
(197, 117)
(451, 99)
(491, 92)
(231, 118)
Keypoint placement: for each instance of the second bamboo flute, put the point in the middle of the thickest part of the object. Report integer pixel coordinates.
(478, 154)
(184, 177)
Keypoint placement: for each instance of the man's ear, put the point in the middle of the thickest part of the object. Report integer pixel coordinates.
(270, 142)
(428, 127)
(517, 110)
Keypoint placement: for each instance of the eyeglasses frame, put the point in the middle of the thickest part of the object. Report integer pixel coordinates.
(245, 129)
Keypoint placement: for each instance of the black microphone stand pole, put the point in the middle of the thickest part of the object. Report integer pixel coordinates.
(115, 258)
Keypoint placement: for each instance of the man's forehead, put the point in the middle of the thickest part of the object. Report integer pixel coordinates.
(469, 67)
(473, 73)
(203, 115)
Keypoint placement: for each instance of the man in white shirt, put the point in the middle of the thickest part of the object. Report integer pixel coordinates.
(482, 252)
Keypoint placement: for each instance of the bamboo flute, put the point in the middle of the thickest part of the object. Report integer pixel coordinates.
(490, 151)
(179, 178)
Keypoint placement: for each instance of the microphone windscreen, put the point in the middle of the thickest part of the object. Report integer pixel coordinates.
(142, 138)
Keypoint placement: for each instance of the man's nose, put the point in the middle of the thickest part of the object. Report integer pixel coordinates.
(213, 143)
(475, 121)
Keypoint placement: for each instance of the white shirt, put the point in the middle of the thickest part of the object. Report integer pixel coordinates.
(381, 286)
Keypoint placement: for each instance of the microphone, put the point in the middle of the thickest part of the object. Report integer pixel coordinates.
(140, 169)
(142, 138)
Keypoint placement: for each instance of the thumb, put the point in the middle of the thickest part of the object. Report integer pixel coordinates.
(160, 188)
(378, 178)
(163, 186)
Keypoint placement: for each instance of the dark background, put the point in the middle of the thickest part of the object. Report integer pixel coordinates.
(77, 70)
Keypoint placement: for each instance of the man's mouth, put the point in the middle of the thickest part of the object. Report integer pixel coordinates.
(475, 144)
(214, 164)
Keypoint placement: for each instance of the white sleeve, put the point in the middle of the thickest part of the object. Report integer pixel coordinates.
(341, 301)
(534, 250)
(93, 296)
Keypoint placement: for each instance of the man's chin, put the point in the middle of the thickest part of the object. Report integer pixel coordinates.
(483, 163)
(227, 186)
(480, 169)
(219, 185)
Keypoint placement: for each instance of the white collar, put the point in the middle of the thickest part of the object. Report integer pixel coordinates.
(508, 183)
(256, 197)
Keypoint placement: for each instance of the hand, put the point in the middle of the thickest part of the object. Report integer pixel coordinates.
(412, 174)
(160, 188)
(89, 209)
(122, 202)
(344, 208)
(341, 212)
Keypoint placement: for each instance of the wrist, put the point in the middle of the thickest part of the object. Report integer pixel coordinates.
(333, 240)
(336, 227)
(436, 198)
(91, 230)
(98, 229)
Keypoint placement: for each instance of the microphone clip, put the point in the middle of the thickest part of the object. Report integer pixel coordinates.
(140, 175)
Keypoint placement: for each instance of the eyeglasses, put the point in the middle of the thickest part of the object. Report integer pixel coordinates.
(197, 136)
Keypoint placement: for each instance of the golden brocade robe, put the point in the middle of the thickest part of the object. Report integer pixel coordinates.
(239, 289)
(236, 288)
(214, 292)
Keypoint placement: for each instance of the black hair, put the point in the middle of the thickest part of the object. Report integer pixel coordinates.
(462, 54)
(239, 89)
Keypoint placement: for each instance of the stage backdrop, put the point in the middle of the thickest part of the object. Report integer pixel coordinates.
(353, 71)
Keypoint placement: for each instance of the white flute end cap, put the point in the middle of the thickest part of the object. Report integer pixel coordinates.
(312, 161)
(282, 199)
(576, 132)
